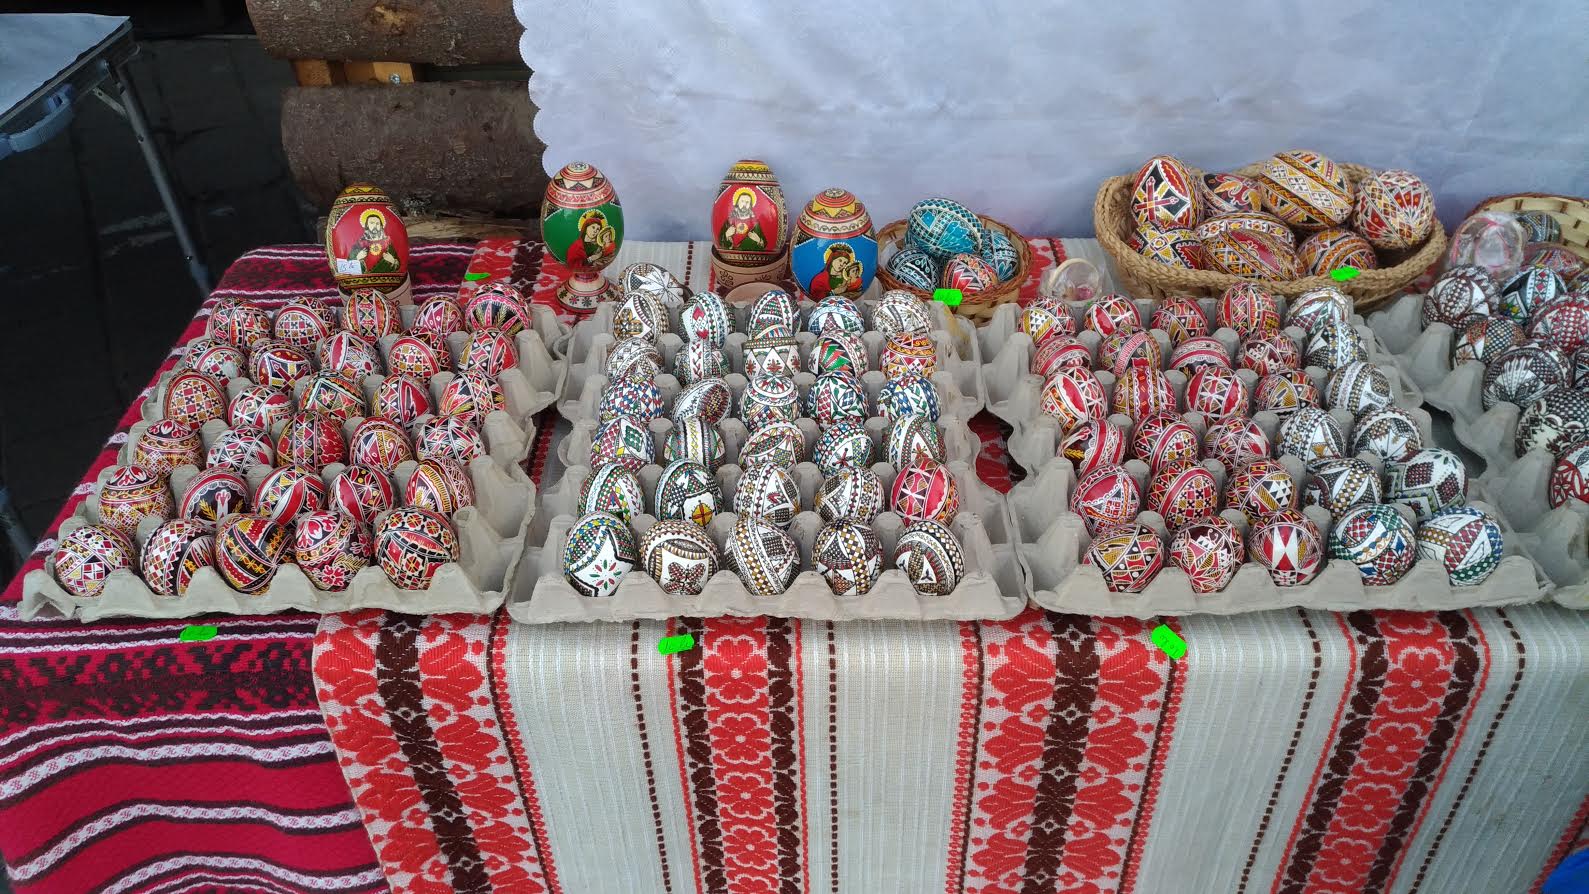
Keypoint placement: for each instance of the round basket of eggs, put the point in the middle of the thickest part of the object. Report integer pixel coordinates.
(1295, 222)
(942, 244)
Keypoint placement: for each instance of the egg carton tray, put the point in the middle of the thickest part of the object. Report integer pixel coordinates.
(540, 374)
(958, 354)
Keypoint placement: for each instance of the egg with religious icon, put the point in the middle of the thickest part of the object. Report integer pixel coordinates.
(750, 216)
(582, 225)
(365, 241)
(834, 249)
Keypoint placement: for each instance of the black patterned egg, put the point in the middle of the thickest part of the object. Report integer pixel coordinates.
(599, 551)
(625, 442)
(1551, 423)
(913, 267)
(1528, 291)
(687, 491)
(769, 493)
(768, 399)
(1461, 292)
(497, 305)
(931, 557)
(249, 549)
(1337, 484)
(708, 400)
(680, 557)
(1267, 354)
(653, 281)
(697, 440)
(453, 437)
(633, 358)
(637, 399)
(614, 490)
(1389, 433)
(699, 360)
(1357, 388)
(214, 494)
(1310, 433)
(843, 446)
(278, 364)
(1315, 307)
(835, 313)
(290, 491)
(849, 557)
(855, 494)
(174, 552)
(776, 444)
(1524, 374)
(1334, 345)
(835, 397)
(910, 436)
(1282, 392)
(1485, 338)
(1428, 482)
(765, 557)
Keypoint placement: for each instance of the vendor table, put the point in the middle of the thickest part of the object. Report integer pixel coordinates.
(1287, 752)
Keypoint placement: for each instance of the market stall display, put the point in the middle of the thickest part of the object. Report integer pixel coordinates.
(943, 244)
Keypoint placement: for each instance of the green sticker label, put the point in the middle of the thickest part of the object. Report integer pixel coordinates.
(950, 297)
(476, 277)
(1169, 641)
(197, 633)
(669, 645)
(1342, 274)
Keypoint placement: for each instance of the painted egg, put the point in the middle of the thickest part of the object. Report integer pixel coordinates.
(855, 494)
(312, 439)
(1288, 546)
(1569, 480)
(166, 444)
(775, 307)
(1180, 318)
(369, 314)
(1539, 226)
(1579, 367)
(849, 557)
(1310, 433)
(213, 495)
(769, 399)
(835, 314)
(699, 360)
(843, 446)
(1465, 541)
(411, 356)
(489, 353)
(625, 442)
(1094, 442)
(85, 558)
(915, 396)
(1485, 338)
(1389, 433)
(194, 398)
(1217, 392)
(379, 443)
(1283, 391)
(239, 449)
(1339, 483)
(435, 340)
(131, 494)
(1553, 256)
(1260, 488)
(779, 444)
(765, 557)
(706, 318)
(366, 243)
(1159, 439)
(452, 437)
(696, 440)
(1377, 540)
(1248, 253)
(412, 544)
(1270, 354)
(914, 268)
(1071, 395)
(174, 552)
(708, 400)
(1335, 345)
(290, 491)
(910, 354)
(943, 228)
(931, 558)
(331, 548)
(440, 314)
(472, 395)
(750, 217)
(686, 491)
(1119, 351)
(1249, 310)
(899, 313)
(653, 281)
(767, 492)
(1181, 492)
(348, 355)
(1460, 293)
(774, 352)
(639, 315)
(1002, 254)
(1208, 550)
(330, 393)
(1358, 387)
(835, 397)
(1527, 291)
(834, 250)
(639, 400)
(1171, 246)
(1198, 352)
(440, 485)
(1057, 352)
(1106, 496)
(249, 549)
(1165, 193)
(1524, 374)
(1128, 555)
(1317, 306)
(1235, 440)
(633, 358)
(1563, 323)
(925, 489)
(838, 351)
(1432, 480)
(1306, 190)
(679, 556)
(213, 358)
(1228, 193)
(968, 273)
(499, 306)
(614, 490)
(259, 406)
(1255, 222)
(911, 436)
(1112, 312)
(360, 493)
(278, 364)
(238, 323)
(1334, 248)
(1553, 422)
(1142, 392)
(1394, 210)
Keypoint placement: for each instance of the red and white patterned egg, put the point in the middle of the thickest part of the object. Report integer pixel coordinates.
(1569, 480)
(1283, 391)
(166, 444)
(290, 491)
(1112, 312)
(312, 439)
(1119, 351)
(278, 364)
(1394, 210)
(1092, 443)
(380, 443)
(1217, 392)
(1288, 545)
(1128, 556)
(680, 556)
(412, 356)
(1306, 190)
(259, 406)
(412, 544)
(925, 489)
(473, 395)
(969, 273)
(1563, 323)
(1209, 550)
(1230, 193)
(1165, 193)
(333, 394)
(213, 358)
(1044, 317)
(348, 355)
(1333, 248)
(1197, 352)
(402, 399)
(1181, 492)
(1252, 254)
(249, 549)
(1072, 394)
(174, 552)
(439, 314)
(1260, 488)
(452, 437)
(194, 398)
(330, 548)
(132, 493)
(303, 322)
(1180, 317)
(497, 305)
(1268, 354)
(370, 314)
(1059, 351)
(238, 323)
(1249, 310)
(1143, 391)
(1107, 495)
(360, 493)
(1164, 438)
(1234, 440)
(239, 449)
(489, 353)
(213, 495)
(84, 559)
(441, 485)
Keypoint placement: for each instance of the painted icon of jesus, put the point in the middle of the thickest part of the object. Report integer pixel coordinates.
(371, 251)
(742, 230)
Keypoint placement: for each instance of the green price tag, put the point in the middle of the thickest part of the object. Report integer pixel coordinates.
(1169, 641)
(197, 633)
(1342, 274)
(950, 297)
(669, 645)
(476, 277)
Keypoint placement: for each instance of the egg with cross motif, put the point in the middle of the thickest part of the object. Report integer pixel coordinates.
(278, 364)
(84, 560)
(687, 491)
(1166, 193)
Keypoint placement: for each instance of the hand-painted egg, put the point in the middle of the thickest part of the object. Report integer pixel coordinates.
(440, 485)
(1128, 555)
(412, 544)
(1394, 210)
(1564, 323)
(914, 268)
(131, 494)
(194, 398)
(349, 355)
(238, 323)
(1540, 226)
(708, 400)
(925, 489)
(1249, 310)
(1333, 248)
(680, 556)
(1460, 293)
(1002, 254)
(370, 315)
(1336, 484)
(1378, 540)
(435, 340)
(639, 400)
(931, 558)
(402, 399)
(312, 439)
(699, 360)
(1110, 313)
(633, 358)
(767, 492)
(1165, 193)
(1158, 439)
(259, 406)
(1283, 391)
(1180, 318)
(1569, 480)
(1228, 193)
(1317, 306)
(777, 444)
(772, 352)
(213, 495)
(638, 315)
(472, 395)
(1579, 367)
(278, 364)
(843, 446)
(1357, 388)
(1143, 391)
(915, 396)
(1057, 352)
(85, 558)
(411, 356)
(290, 491)
(627, 443)
(1181, 492)
(834, 250)
(1485, 338)
(898, 313)
(296, 321)
(1524, 374)
(1389, 433)
(943, 228)
(1265, 354)
(910, 436)
(1260, 488)
(694, 439)
(835, 397)
(849, 557)
(1432, 480)
(1095, 442)
(1249, 253)
(835, 313)
(1217, 392)
(1554, 421)
(1235, 440)
(765, 557)
(750, 217)
(855, 494)
(499, 306)
(330, 548)
(174, 552)
(968, 273)
(1288, 545)
(1553, 256)
(706, 318)
(453, 437)
(1306, 190)
(837, 351)
(769, 399)
(1465, 541)
(366, 243)
(1071, 395)
(912, 354)
(686, 491)
(653, 281)
(360, 493)
(333, 394)
(1208, 550)
(440, 314)
(166, 444)
(1527, 291)
(249, 549)
(1197, 352)
(614, 490)
(216, 359)
(1255, 222)
(488, 352)
(1106, 496)
(1121, 350)
(1310, 433)
(775, 307)
(1335, 345)
(1171, 246)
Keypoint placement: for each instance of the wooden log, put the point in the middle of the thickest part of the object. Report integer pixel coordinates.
(440, 32)
(463, 146)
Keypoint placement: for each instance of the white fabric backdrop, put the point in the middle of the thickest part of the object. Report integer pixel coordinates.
(1020, 109)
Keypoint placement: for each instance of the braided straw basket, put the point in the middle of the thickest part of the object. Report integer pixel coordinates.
(1146, 278)
(977, 307)
(1572, 213)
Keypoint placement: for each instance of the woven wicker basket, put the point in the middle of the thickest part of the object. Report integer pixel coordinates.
(1146, 278)
(1572, 213)
(980, 306)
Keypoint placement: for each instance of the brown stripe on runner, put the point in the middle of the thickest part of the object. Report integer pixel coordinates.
(1374, 664)
(527, 258)
(499, 622)
(645, 753)
(1064, 743)
(1154, 765)
(689, 264)
(833, 761)
(1291, 750)
(1478, 759)
(698, 759)
(783, 721)
(397, 681)
(976, 743)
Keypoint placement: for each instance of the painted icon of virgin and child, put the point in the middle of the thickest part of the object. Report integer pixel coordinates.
(841, 273)
(597, 242)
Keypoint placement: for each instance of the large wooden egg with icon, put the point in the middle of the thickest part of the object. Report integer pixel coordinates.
(366, 242)
(750, 217)
(582, 223)
(85, 558)
(834, 251)
(680, 556)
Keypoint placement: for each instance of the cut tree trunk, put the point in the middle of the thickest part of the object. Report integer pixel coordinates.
(440, 32)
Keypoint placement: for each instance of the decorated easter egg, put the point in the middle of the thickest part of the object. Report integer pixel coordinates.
(1428, 482)
(331, 548)
(290, 491)
(440, 314)
(1171, 246)
(489, 353)
(213, 495)
(899, 312)
(943, 228)
(166, 444)
(1461, 292)
(772, 352)
(132, 493)
(1357, 388)
(1143, 391)
(769, 399)
(1216, 391)
(1110, 313)
(1181, 492)
(633, 358)
(1333, 248)
(777, 444)
(1310, 433)
(1484, 338)
(412, 544)
(843, 446)
(639, 315)
(1158, 439)
(925, 489)
(216, 359)
(774, 307)
(1554, 421)
(1248, 309)
(835, 313)
(339, 397)
(706, 318)
(765, 557)
(312, 439)
(360, 492)
(1002, 254)
(767, 492)
(1265, 354)
(412, 356)
(380, 443)
(1335, 345)
(692, 438)
(910, 436)
(1540, 226)
(348, 355)
(472, 395)
(194, 398)
(1256, 222)
(679, 556)
(1250, 253)
(1288, 546)
(834, 397)
(686, 491)
(834, 251)
(849, 557)
(278, 364)
(365, 241)
(599, 551)
(639, 400)
(1388, 432)
(1579, 367)
(1072, 394)
(750, 217)
(1378, 540)
(174, 552)
(1094, 442)
(968, 273)
(708, 400)
(1524, 374)
(614, 490)
(1569, 480)
(699, 360)
(1209, 550)
(1058, 351)
(914, 396)
(911, 354)
(1128, 555)
(1466, 541)
(855, 494)
(440, 485)
(1228, 193)
(582, 224)
(239, 323)
(249, 549)
(1259, 488)
(370, 315)
(1165, 193)
(930, 556)
(1564, 324)
(1553, 256)
(1528, 291)
(1306, 190)
(1336, 484)
(436, 340)
(259, 406)
(1180, 318)
(1234, 440)
(239, 449)
(838, 351)
(1283, 391)
(1106, 496)
(85, 558)
(1121, 350)
(1197, 352)
(914, 268)
(654, 281)
(453, 437)
(1394, 210)
(1317, 306)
